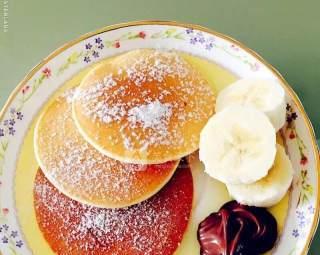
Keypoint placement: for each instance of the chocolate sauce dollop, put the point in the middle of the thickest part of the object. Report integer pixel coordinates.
(237, 230)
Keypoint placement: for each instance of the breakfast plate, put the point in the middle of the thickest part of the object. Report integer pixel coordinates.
(31, 207)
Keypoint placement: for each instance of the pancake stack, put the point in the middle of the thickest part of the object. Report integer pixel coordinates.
(109, 151)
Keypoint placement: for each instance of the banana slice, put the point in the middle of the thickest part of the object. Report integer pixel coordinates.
(265, 95)
(238, 145)
(269, 190)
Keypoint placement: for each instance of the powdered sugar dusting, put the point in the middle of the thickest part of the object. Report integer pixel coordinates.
(69, 94)
(109, 82)
(152, 115)
(152, 96)
(155, 226)
(156, 67)
(81, 171)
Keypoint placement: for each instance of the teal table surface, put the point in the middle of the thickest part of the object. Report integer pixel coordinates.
(286, 33)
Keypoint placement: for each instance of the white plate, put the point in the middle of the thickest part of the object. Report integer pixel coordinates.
(32, 93)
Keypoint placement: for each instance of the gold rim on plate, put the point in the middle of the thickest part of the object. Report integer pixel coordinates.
(286, 86)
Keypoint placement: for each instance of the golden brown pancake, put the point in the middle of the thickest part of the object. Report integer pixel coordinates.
(84, 174)
(145, 106)
(153, 227)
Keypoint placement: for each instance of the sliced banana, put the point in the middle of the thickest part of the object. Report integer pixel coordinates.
(238, 145)
(269, 190)
(265, 95)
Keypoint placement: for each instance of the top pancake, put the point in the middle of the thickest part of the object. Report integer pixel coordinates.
(81, 172)
(144, 106)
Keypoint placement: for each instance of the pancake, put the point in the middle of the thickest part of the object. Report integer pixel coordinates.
(145, 106)
(155, 226)
(82, 173)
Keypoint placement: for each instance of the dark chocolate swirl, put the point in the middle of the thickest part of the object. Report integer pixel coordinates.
(237, 230)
